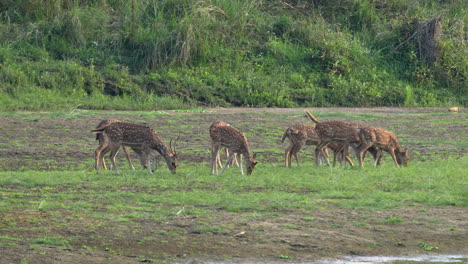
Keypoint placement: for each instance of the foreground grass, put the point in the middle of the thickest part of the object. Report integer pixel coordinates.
(136, 194)
(97, 212)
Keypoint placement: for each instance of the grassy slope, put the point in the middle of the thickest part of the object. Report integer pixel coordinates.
(64, 54)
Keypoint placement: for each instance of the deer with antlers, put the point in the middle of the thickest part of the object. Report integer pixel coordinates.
(300, 135)
(384, 140)
(224, 135)
(142, 138)
(343, 134)
(114, 151)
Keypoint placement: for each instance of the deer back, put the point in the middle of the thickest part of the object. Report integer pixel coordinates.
(130, 134)
(302, 132)
(337, 131)
(105, 123)
(230, 137)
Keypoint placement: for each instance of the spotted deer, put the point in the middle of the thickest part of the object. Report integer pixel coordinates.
(343, 134)
(224, 135)
(100, 138)
(140, 137)
(300, 135)
(384, 140)
(114, 151)
(218, 157)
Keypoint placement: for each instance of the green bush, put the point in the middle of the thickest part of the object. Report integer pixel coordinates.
(118, 54)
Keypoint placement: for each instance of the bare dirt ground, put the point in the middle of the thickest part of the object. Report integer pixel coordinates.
(47, 141)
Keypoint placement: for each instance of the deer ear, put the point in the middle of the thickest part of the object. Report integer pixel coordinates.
(255, 163)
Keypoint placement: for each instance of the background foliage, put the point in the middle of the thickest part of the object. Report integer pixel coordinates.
(150, 54)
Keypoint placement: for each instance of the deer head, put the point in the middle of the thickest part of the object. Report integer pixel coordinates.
(250, 163)
(402, 157)
(172, 161)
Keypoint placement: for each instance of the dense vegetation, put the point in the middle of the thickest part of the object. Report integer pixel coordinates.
(150, 54)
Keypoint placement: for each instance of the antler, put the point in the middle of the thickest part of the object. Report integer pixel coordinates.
(173, 146)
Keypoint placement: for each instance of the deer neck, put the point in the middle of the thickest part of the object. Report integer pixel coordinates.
(163, 150)
(246, 152)
(396, 145)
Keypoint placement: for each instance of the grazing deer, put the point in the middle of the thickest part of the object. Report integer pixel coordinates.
(224, 135)
(114, 151)
(218, 157)
(300, 135)
(140, 137)
(99, 137)
(384, 140)
(343, 134)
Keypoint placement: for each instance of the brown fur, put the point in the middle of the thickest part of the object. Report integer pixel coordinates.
(224, 135)
(140, 137)
(99, 137)
(383, 139)
(218, 158)
(300, 135)
(341, 135)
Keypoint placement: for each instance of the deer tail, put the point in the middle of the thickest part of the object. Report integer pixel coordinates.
(98, 131)
(309, 114)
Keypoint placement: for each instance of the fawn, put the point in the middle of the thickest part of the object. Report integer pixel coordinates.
(384, 140)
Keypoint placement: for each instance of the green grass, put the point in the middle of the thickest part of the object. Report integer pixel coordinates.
(137, 195)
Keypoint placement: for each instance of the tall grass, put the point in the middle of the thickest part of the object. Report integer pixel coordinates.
(220, 52)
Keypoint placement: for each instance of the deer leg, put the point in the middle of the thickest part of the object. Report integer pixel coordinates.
(129, 158)
(337, 151)
(235, 160)
(286, 157)
(378, 157)
(218, 160)
(324, 155)
(103, 153)
(240, 164)
(348, 159)
(229, 160)
(98, 153)
(361, 152)
(319, 151)
(101, 160)
(155, 161)
(392, 153)
(113, 151)
(214, 159)
(147, 159)
(375, 152)
(227, 155)
(344, 154)
(297, 148)
(287, 154)
(113, 154)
